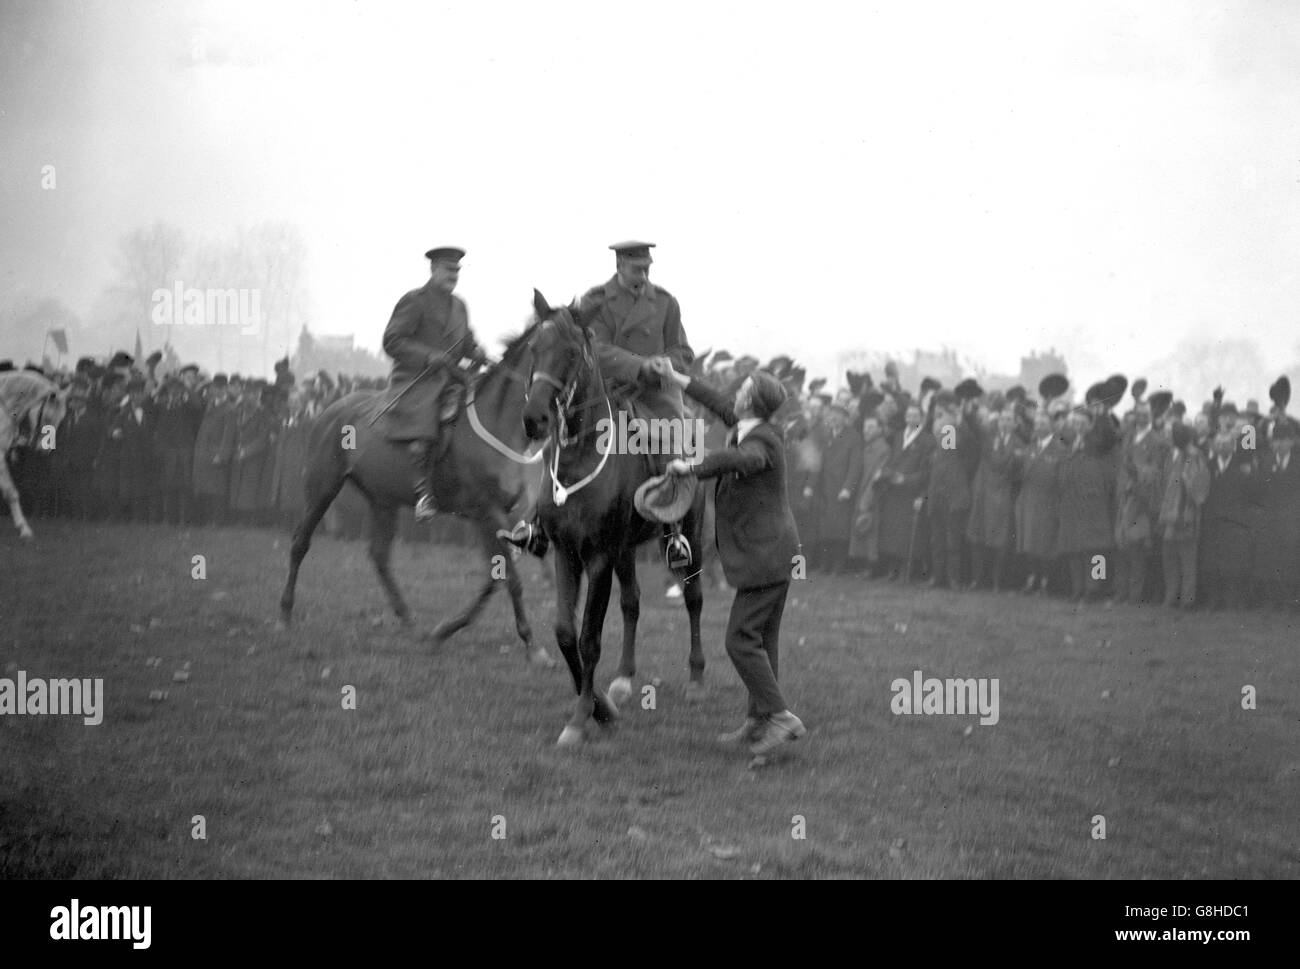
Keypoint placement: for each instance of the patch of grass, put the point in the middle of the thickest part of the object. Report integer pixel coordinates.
(1133, 713)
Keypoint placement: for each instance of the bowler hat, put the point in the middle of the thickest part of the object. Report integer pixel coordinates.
(665, 497)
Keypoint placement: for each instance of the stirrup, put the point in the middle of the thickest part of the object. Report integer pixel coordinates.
(527, 536)
(677, 553)
(426, 510)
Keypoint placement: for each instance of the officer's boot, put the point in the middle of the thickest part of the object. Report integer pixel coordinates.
(425, 508)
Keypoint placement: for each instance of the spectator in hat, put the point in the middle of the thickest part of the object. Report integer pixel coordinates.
(1140, 490)
(835, 488)
(79, 437)
(214, 449)
(1086, 512)
(992, 514)
(126, 461)
(253, 465)
(864, 542)
(1184, 488)
(948, 496)
(1228, 519)
(758, 544)
(1277, 533)
(1038, 504)
(179, 415)
(902, 486)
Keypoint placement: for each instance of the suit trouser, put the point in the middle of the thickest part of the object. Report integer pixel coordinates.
(947, 529)
(753, 629)
(1178, 556)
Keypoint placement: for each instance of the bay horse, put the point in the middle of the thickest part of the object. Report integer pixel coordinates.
(26, 399)
(588, 514)
(479, 475)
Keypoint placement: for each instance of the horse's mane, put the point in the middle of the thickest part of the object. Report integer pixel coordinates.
(515, 345)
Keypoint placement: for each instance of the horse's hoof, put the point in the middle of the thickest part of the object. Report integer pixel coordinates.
(696, 692)
(619, 691)
(25, 534)
(541, 658)
(570, 736)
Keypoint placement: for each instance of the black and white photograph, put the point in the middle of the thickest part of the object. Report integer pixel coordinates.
(681, 441)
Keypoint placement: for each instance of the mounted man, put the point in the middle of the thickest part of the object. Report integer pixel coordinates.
(636, 329)
(427, 336)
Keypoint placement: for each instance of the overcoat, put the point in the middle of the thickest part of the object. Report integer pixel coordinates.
(896, 512)
(216, 440)
(626, 329)
(992, 510)
(424, 320)
(1038, 504)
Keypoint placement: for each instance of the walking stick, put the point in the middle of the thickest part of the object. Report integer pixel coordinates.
(911, 545)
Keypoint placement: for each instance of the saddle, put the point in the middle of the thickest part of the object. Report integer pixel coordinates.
(379, 412)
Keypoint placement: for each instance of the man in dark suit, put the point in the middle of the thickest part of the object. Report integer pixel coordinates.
(429, 331)
(1277, 537)
(948, 494)
(1227, 521)
(757, 542)
(836, 485)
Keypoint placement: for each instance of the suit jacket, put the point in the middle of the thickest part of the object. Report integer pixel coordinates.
(625, 330)
(1143, 467)
(1229, 515)
(896, 513)
(1277, 538)
(757, 538)
(424, 320)
(215, 443)
(1038, 505)
(992, 509)
(841, 468)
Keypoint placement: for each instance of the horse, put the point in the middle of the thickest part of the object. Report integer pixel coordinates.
(26, 399)
(479, 475)
(589, 516)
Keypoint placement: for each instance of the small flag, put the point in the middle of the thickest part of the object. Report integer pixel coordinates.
(60, 338)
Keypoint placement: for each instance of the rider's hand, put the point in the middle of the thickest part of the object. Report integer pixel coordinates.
(677, 466)
(434, 358)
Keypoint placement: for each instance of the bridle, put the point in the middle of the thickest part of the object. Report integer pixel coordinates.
(561, 438)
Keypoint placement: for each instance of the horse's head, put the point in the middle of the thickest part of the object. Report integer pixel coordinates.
(562, 357)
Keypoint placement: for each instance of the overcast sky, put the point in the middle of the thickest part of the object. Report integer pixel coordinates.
(996, 177)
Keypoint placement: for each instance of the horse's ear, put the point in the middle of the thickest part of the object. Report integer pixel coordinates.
(540, 306)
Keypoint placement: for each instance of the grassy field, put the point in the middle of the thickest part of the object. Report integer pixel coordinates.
(1133, 714)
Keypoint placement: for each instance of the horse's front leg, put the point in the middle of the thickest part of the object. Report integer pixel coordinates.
(591, 704)
(629, 600)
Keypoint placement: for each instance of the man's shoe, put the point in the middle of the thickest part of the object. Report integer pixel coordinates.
(782, 728)
(746, 731)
